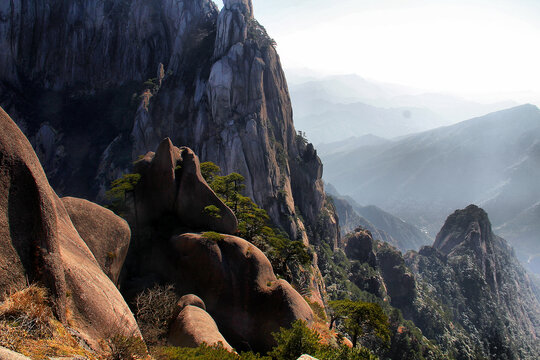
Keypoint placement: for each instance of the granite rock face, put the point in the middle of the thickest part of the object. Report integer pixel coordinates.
(107, 235)
(40, 244)
(171, 183)
(103, 82)
(194, 326)
(218, 88)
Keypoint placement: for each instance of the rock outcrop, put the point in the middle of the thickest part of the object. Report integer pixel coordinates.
(238, 287)
(212, 81)
(192, 327)
(359, 246)
(225, 275)
(107, 235)
(476, 274)
(171, 183)
(40, 244)
(6, 354)
(190, 300)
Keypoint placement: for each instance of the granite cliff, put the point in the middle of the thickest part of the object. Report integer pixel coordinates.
(72, 77)
(95, 84)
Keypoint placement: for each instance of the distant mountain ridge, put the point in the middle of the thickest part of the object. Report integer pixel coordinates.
(354, 106)
(491, 160)
(382, 225)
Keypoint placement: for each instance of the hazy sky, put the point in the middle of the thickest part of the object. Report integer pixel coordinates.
(460, 46)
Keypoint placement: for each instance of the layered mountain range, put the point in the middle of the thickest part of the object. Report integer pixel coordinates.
(382, 225)
(354, 106)
(490, 160)
(467, 291)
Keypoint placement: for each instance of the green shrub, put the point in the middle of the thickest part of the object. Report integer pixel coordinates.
(212, 211)
(204, 352)
(293, 342)
(212, 235)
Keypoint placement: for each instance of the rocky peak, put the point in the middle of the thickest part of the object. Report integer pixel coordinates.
(233, 23)
(359, 246)
(245, 6)
(221, 91)
(476, 273)
(468, 228)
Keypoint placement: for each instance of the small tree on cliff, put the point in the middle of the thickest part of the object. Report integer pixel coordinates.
(117, 194)
(363, 322)
(253, 222)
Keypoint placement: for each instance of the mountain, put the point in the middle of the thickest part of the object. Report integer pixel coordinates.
(476, 274)
(357, 119)
(467, 292)
(354, 106)
(382, 225)
(75, 251)
(525, 227)
(349, 144)
(96, 84)
(491, 160)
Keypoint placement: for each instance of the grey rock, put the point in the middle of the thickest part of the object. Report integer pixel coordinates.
(221, 92)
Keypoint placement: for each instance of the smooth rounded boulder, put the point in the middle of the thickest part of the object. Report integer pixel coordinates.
(238, 287)
(106, 234)
(39, 244)
(192, 327)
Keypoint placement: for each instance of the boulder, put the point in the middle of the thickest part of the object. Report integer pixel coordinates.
(171, 183)
(6, 354)
(192, 327)
(194, 195)
(106, 234)
(190, 300)
(359, 246)
(306, 357)
(39, 244)
(238, 287)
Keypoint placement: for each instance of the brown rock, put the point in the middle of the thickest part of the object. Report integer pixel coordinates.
(171, 183)
(188, 300)
(194, 195)
(193, 327)
(106, 234)
(359, 246)
(157, 189)
(238, 287)
(192, 300)
(6, 354)
(39, 243)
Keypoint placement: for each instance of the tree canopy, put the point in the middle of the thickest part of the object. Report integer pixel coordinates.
(254, 223)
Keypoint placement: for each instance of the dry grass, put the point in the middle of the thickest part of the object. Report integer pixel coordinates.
(28, 326)
(28, 310)
(125, 348)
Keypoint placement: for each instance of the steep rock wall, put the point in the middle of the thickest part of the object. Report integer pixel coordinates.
(72, 74)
